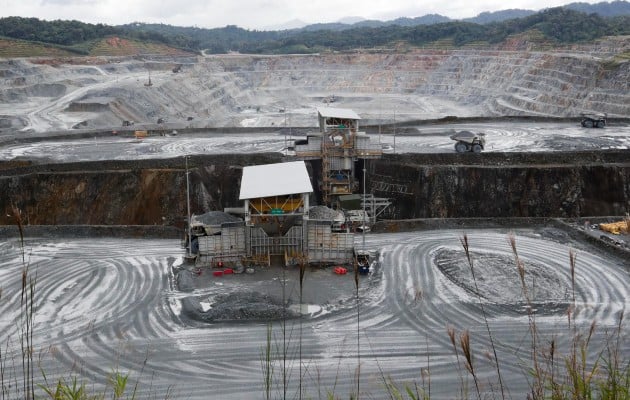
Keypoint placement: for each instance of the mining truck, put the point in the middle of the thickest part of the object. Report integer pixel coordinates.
(469, 141)
(593, 120)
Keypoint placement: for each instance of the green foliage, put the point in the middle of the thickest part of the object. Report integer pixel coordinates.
(397, 393)
(616, 382)
(218, 40)
(558, 25)
(118, 383)
(76, 390)
(58, 32)
(567, 26)
(68, 391)
(267, 366)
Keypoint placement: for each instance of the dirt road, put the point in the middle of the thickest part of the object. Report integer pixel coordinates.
(500, 136)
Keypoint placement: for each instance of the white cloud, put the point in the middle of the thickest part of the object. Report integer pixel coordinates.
(252, 14)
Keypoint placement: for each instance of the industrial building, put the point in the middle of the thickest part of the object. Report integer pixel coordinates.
(337, 146)
(276, 228)
(278, 224)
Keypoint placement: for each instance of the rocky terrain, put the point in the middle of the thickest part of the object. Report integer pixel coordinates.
(41, 96)
(494, 185)
(106, 301)
(44, 94)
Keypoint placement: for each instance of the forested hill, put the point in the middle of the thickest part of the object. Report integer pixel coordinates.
(555, 26)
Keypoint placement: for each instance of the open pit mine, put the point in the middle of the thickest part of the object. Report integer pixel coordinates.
(199, 222)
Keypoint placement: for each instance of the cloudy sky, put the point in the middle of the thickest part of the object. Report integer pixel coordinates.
(254, 14)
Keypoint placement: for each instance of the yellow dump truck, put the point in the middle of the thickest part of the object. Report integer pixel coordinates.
(616, 227)
(141, 134)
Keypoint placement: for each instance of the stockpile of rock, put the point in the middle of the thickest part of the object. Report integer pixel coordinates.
(322, 212)
(213, 218)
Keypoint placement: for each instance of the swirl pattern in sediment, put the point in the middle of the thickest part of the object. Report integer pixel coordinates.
(500, 137)
(107, 304)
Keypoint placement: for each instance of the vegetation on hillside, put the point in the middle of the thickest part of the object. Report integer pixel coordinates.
(11, 48)
(56, 32)
(558, 25)
(81, 38)
(217, 40)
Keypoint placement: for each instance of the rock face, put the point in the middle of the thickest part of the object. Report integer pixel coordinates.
(99, 198)
(122, 193)
(501, 185)
(248, 90)
(420, 186)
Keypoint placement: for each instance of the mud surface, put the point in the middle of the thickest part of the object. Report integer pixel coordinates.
(501, 136)
(113, 303)
(267, 294)
(506, 285)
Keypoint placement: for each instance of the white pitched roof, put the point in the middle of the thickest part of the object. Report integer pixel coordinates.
(337, 113)
(275, 180)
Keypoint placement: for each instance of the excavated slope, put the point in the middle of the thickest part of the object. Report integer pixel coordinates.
(493, 185)
(248, 90)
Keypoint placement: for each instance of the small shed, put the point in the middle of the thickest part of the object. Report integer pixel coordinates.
(331, 118)
(350, 202)
(275, 190)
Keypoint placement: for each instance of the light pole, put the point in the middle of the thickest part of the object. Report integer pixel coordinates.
(188, 208)
(364, 172)
(394, 131)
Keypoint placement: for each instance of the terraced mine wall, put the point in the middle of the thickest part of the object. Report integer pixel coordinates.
(520, 82)
(263, 90)
(490, 185)
(499, 82)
